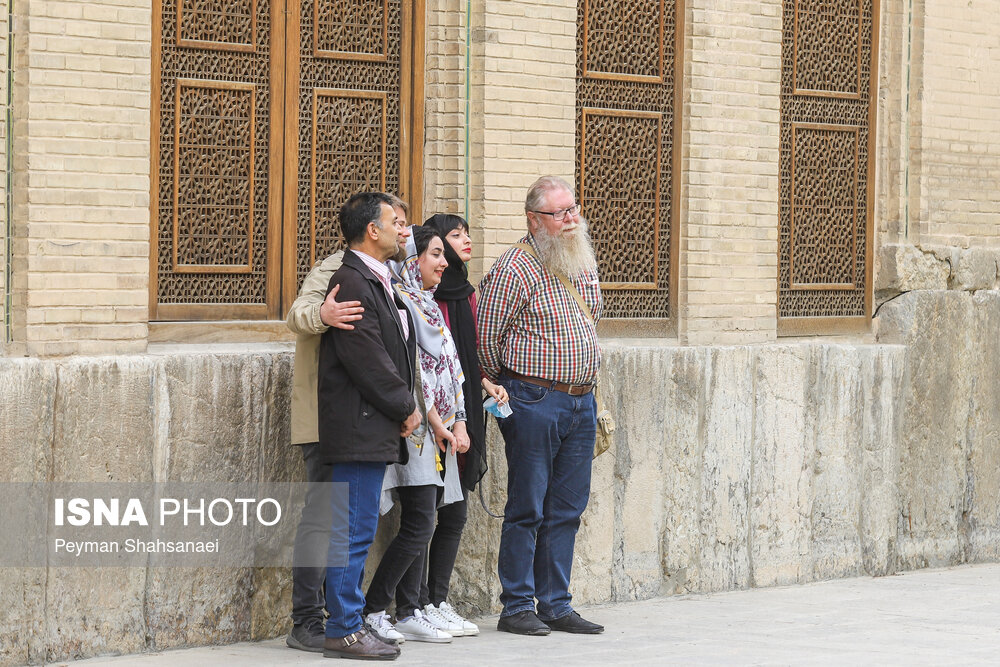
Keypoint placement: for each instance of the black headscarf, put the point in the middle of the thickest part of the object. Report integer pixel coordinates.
(455, 290)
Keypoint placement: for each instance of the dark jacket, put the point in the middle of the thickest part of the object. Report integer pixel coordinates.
(365, 384)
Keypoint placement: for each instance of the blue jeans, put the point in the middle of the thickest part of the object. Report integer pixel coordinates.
(549, 442)
(344, 597)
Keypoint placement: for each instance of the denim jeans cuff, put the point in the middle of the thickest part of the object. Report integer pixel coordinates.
(343, 634)
(511, 612)
(565, 611)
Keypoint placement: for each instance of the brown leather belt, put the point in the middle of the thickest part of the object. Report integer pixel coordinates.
(571, 389)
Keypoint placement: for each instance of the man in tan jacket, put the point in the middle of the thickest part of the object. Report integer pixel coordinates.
(311, 314)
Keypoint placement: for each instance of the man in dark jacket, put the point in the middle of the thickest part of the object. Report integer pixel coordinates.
(366, 408)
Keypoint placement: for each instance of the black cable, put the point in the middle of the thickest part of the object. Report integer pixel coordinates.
(482, 501)
(887, 301)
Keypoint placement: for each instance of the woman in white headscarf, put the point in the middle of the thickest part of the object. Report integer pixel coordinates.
(430, 478)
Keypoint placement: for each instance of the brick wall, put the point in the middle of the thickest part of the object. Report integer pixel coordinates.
(4, 49)
(939, 134)
(959, 121)
(893, 99)
(523, 111)
(729, 172)
(83, 95)
(444, 109)
(82, 149)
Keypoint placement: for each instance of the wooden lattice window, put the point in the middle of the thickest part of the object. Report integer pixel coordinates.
(268, 115)
(213, 146)
(628, 60)
(351, 104)
(829, 53)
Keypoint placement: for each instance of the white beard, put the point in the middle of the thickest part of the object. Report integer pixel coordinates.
(571, 256)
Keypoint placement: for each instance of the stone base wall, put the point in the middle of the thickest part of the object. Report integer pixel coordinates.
(732, 467)
(949, 450)
(179, 417)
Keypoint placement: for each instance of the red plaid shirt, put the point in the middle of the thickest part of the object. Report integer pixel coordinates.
(530, 324)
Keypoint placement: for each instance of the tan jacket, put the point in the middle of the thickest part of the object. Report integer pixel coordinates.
(304, 320)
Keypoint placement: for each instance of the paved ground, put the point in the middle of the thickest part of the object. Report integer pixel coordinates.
(930, 617)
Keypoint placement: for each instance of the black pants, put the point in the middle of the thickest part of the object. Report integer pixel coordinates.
(443, 552)
(308, 594)
(400, 572)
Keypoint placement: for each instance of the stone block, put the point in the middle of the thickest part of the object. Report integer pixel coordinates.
(781, 462)
(881, 428)
(475, 585)
(904, 267)
(976, 270)
(279, 462)
(981, 514)
(189, 606)
(26, 419)
(619, 554)
(726, 439)
(22, 604)
(103, 433)
(835, 414)
(682, 469)
(593, 577)
(270, 602)
(936, 392)
(94, 611)
(104, 424)
(223, 418)
(210, 414)
(26, 432)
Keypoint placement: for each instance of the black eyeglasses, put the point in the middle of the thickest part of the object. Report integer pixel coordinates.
(560, 215)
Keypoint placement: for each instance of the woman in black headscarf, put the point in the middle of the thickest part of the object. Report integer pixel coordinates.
(457, 299)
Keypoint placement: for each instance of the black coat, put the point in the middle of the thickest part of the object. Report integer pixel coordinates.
(366, 375)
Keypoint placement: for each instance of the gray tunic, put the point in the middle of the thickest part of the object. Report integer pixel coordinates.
(421, 469)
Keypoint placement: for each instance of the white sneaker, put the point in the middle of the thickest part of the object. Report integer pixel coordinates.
(469, 629)
(380, 624)
(419, 629)
(442, 622)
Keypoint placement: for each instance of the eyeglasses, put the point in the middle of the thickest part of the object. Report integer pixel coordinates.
(560, 215)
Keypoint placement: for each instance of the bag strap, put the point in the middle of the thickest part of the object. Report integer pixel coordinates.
(567, 283)
(602, 413)
(571, 288)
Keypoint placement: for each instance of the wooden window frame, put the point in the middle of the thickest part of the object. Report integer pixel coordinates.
(861, 324)
(651, 327)
(281, 281)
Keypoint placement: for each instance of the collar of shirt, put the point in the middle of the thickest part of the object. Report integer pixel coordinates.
(529, 322)
(381, 272)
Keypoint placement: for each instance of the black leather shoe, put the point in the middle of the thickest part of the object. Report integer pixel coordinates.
(572, 622)
(523, 623)
(306, 637)
(360, 645)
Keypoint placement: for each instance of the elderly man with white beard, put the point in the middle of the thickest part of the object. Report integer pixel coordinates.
(537, 342)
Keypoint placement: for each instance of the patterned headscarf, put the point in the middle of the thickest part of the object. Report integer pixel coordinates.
(440, 369)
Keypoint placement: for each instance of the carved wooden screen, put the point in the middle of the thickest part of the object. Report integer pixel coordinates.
(212, 140)
(268, 115)
(351, 102)
(627, 60)
(827, 127)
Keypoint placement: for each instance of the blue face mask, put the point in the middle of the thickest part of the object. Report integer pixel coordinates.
(498, 410)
